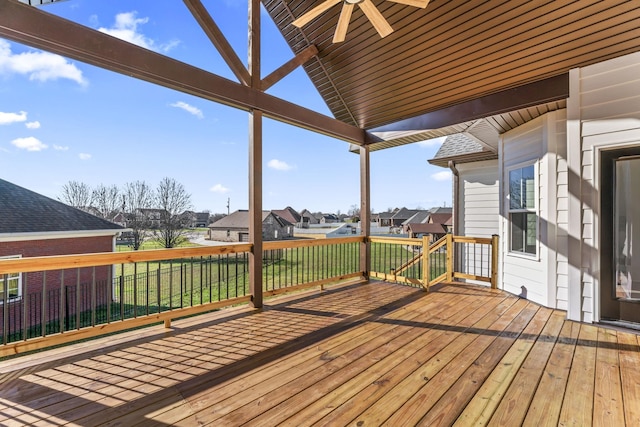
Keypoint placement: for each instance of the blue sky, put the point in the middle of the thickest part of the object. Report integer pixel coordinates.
(63, 120)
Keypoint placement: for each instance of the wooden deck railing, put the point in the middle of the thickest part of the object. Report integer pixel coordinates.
(73, 297)
(450, 258)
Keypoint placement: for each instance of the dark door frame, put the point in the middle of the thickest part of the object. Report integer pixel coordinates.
(612, 308)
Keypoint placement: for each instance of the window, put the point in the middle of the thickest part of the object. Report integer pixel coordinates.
(12, 284)
(523, 218)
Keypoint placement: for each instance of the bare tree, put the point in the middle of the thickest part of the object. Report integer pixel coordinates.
(76, 194)
(136, 198)
(172, 200)
(107, 201)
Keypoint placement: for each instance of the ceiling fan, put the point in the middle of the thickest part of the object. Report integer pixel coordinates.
(368, 8)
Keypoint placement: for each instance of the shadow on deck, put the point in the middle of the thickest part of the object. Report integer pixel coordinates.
(365, 354)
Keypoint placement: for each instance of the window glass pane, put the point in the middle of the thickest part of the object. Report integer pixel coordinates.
(530, 247)
(13, 285)
(528, 187)
(523, 232)
(517, 232)
(515, 193)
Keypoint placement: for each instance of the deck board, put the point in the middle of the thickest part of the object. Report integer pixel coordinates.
(366, 354)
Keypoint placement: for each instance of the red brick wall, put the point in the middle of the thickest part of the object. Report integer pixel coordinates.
(61, 287)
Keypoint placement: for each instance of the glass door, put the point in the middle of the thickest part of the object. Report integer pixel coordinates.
(620, 236)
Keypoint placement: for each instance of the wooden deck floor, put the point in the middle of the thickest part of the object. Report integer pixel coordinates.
(371, 354)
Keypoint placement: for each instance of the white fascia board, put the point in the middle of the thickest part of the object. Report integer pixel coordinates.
(50, 235)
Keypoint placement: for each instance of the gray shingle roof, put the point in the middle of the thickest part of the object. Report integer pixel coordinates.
(240, 220)
(24, 211)
(462, 149)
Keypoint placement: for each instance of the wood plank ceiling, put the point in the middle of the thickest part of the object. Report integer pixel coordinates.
(452, 51)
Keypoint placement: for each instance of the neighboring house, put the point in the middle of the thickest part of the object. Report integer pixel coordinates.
(443, 219)
(235, 227)
(561, 191)
(383, 219)
(33, 225)
(329, 219)
(290, 215)
(401, 215)
(202, 219)
(308, 218)
(154, 216)
(196, 219)
(120, 219)
(436, 225)
(434, 231)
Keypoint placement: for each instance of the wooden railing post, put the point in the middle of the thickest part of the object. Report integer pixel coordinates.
(449, 257)
(494, 261)
(426, 268)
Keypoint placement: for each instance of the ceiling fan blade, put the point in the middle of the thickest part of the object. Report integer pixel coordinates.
(416, 3)
(314, 13)
(377, 20)
(343, 23)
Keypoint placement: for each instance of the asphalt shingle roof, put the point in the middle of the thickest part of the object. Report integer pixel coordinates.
(24, 211)
(462, 149)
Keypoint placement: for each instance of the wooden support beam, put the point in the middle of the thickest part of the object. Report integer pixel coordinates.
(449, 257)
(289, 66)
(536, 93)
(255, 162)
(426, 268)
(365, 211)
(34, 27)
(218, 39)
(495, 253)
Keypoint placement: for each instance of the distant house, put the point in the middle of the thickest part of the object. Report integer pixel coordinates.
(235, 227)
(435, 222)
(308, 218)
(401, 215)
(383, 219)
(434, 231)
(34, 225)
(195, 219)
(202, 219)
(290, 215)
(329, 219)
(153, 216)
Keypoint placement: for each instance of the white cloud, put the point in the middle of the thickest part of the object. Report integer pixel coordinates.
(126, 28)
(8, 118)
(188, 108)
(84, 156)
(40, 66)
(442, 176)
(30, 144)
(60, 148)
(279, 165)
(33, 125)
(432, 142)
(219, 188)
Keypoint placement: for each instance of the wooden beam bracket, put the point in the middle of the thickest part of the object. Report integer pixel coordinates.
(218, 39)
(286, 68)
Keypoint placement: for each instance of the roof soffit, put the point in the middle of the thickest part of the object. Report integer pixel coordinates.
(451, 52)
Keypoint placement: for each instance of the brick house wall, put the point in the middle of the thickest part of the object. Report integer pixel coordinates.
(64, 291)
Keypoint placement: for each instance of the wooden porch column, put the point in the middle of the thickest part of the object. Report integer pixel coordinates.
(365, 211)
(255, 161)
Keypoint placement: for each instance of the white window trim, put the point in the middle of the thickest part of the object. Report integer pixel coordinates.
(19, 297)
(536, 210)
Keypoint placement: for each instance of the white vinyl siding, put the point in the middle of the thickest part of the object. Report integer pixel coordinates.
(558, 127)
(523, 274)
(479, 209)
(479, 198)
(603, 112)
